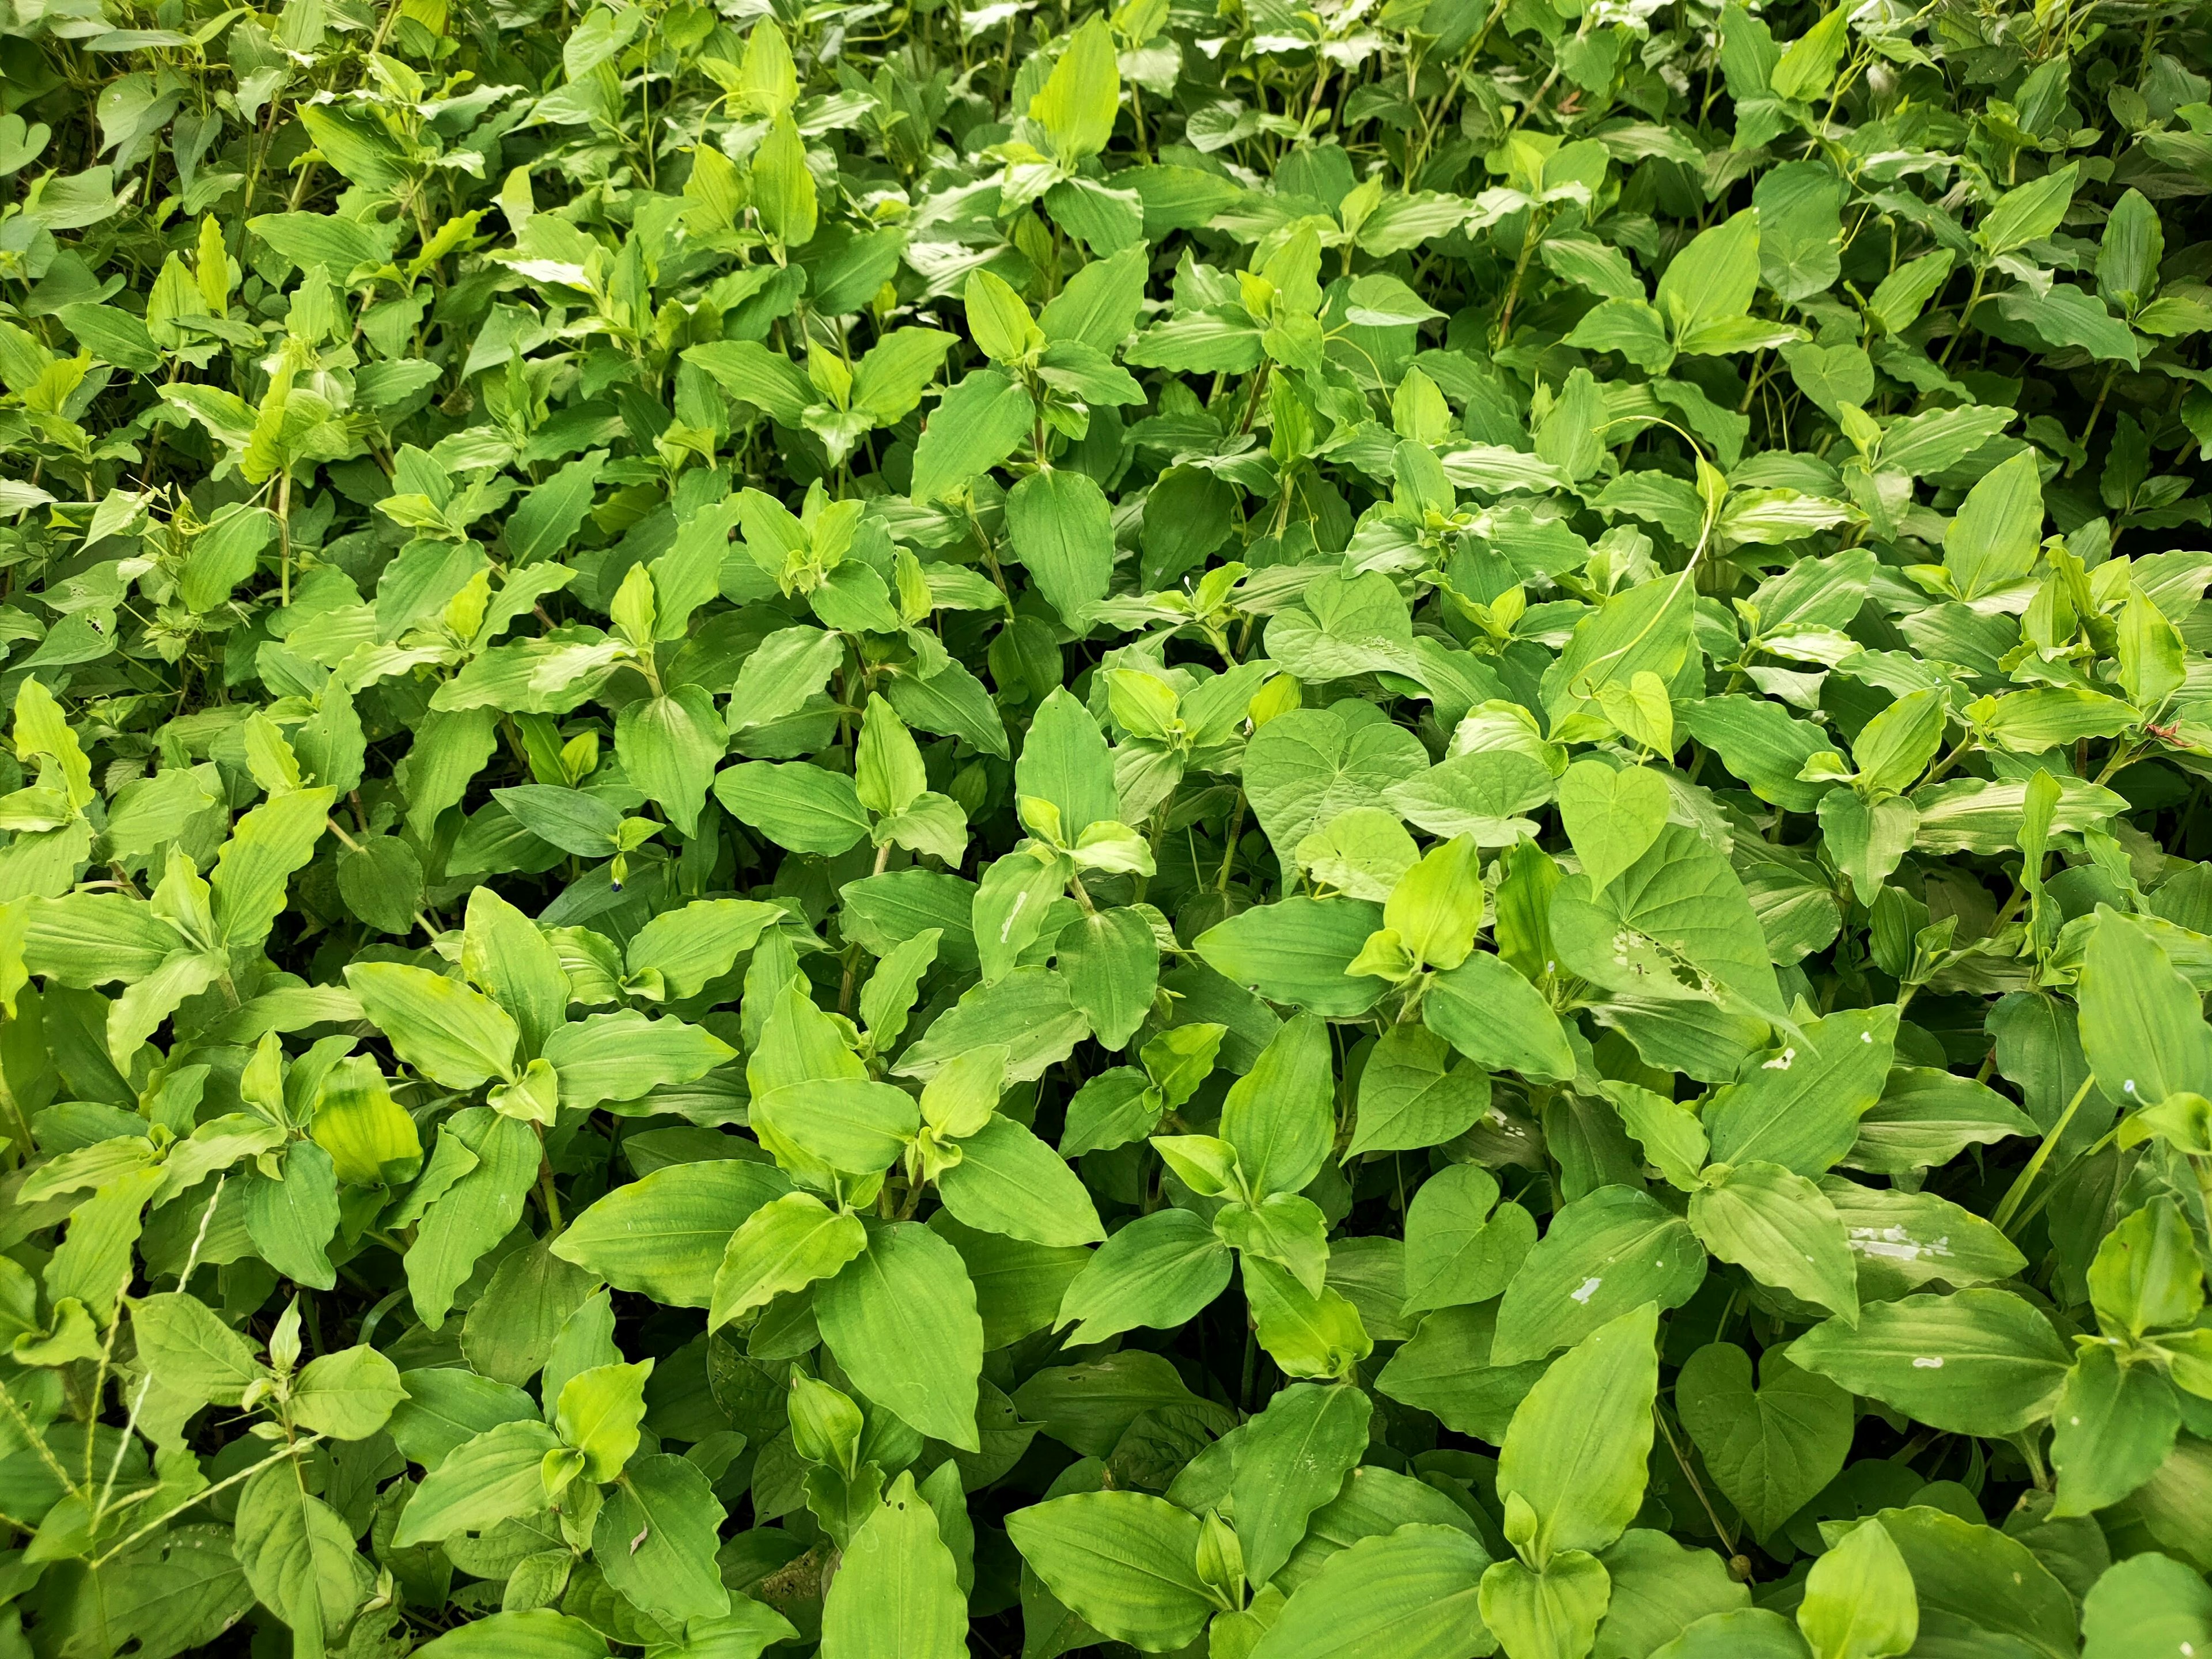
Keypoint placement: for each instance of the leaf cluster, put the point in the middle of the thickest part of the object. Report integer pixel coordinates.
(1364, 833)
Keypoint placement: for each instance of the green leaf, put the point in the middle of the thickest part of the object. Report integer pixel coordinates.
(976, 425)
(1291, 1459)
(1012, 903)
(1303, 768)
(901, 1318)
(226, 554)
(1612, 817)
(515, 1328)
(801, 807)
(1573, 1462)
(2113, 1426)
(476, 1211)
(768, 379)
(1626, 324)
(251, 872)
(490, 1479)
(1605, 1255)
(1993, 540)
(1280, 1115)
(1064, 761)
(1111, 960)
(814, 1105)
(382, 882)
(1299, 952)
(553, 511)
(669, 746)
(1124, 1562)
(1800, 1108)
(1761, 743)
(662, 1235)
(1555, 1609)
(598, 1413)
(1009, 1182)
(1661, 1587)
(1770, 1448)
(1673, 1141)
(1778, 1227)
(347, 1395)
(1893, 748)
(783, 1246)
(783, 188)
(698, 943)
(1498, 1020)
(84, 939)
(1865, 840)
(453, 1034)
(2149, 1604)
(1098, 306)
(1710, 282)
(1676, 924)
(1307, 1333)
(446, 1407)
(1926, 1117)
(1831, 376)
(896, 1595)
(1801, 234)
(1159, 1271)
(627, 1055)
(540, 1633)
(1436, 906)
(1461, 1246)
(1082, 96)
(1809, 65)
(2028, 214)
(998, 317)
(1906, 1240)
(189, 1350)
(2147, 1273)
(1063, 535)
(1978, 1577)
(656, 1538)
(888, 381)
(1415, 1093)
(2142, 1027)
(1028, 1013)
(1859, 1598)
(1445, 1368)
(2030, 722)
(299, 1556)
(1410, 1593)
(784, 670)
(1974, 1362)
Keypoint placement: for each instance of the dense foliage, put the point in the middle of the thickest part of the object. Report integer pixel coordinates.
(1345, 833)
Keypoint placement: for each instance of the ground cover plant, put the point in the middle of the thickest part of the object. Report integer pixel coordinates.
(1373, 833)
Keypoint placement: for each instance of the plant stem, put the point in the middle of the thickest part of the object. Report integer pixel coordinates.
(2090, 426)
(285, 537)
(2018, 1194)
(1696, 1485)
(1974, 298)
(202, 1497)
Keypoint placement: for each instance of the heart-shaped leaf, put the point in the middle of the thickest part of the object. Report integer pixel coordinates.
(1770, 1448)
(1612, 817)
